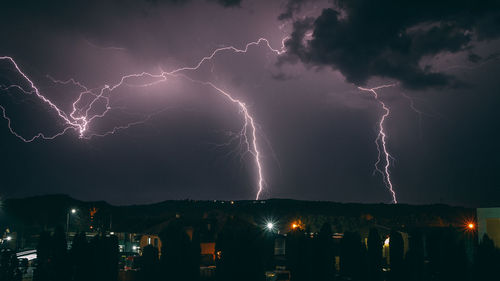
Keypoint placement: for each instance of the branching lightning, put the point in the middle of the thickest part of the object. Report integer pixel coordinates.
(381, 142)
(84, 113)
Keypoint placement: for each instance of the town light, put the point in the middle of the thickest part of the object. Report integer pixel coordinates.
(9, 238)
(72, 212)
(270, 226)
(471, 226)
(297, 224)
(387, 241)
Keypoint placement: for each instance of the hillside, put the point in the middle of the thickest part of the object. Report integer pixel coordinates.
(46, 212)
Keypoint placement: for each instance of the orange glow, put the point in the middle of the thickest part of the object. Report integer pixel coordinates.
(297, 224)
(469, 224)
(93, 211)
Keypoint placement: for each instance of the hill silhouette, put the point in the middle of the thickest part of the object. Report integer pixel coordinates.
(45, 212)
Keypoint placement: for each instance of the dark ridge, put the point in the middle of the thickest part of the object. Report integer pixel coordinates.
(49, 211)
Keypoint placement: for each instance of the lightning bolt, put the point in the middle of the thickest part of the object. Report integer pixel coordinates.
(84, 113)
(381, 142)
(413, 107)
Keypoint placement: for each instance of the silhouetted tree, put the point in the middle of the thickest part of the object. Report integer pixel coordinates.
(149, 264)
(59, 258)
(396, 254)
(267, 255)
(487, 260)
(80, 258)
(447, 256)
(323, 259)
(434, 253)
(110, 252)
(297, 255)
(52, 257)
(43, 249)
(180, 257)
(352, 256)
(415, 257)
(104, 258)
(195, 255)
(374, 255)
(239, 247)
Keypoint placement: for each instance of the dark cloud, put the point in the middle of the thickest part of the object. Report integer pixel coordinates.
(295, 47)
(69, 12)
(283, 76)
(224, 3)
(291, 7)
(474, 58)
(364, 39)
(178, 2)
(229, 3)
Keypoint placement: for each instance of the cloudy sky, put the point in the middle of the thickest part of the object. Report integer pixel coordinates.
(173, 137)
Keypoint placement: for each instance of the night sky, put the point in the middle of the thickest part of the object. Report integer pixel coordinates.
(316, 130)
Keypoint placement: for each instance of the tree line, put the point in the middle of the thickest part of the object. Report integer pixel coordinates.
(245, 252)
(94, 259)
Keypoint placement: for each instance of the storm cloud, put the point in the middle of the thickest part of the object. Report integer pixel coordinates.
(389, 38)
(291, 7)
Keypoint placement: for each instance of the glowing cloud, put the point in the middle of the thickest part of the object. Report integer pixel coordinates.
(84, 113)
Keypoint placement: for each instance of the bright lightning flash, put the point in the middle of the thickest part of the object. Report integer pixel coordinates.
(83, 113)
(381, 141)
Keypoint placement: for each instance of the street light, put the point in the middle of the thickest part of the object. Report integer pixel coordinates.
(270, 226)
(471, 226)
(72, 211)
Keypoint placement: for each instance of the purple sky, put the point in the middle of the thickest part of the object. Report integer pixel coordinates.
(316, 130)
